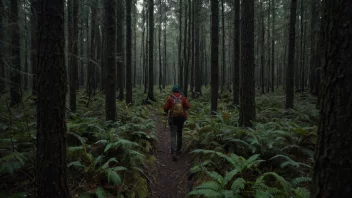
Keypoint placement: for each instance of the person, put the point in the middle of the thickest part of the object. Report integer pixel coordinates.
(175, 107)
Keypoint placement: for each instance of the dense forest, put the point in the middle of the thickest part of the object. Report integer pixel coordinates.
(83, 84)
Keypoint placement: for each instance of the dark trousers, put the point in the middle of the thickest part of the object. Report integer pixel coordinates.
(176, 126)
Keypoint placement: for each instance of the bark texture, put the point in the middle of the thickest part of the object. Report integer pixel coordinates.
(247, 86)
(333, 159)
(214, 54)
(52, 88)
(291, 55)
(110, 52)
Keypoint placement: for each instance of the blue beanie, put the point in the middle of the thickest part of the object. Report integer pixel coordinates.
(176, 88)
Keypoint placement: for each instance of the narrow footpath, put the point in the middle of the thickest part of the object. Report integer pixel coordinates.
(169, 178)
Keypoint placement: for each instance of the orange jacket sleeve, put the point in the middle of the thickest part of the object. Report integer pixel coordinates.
(167, 104)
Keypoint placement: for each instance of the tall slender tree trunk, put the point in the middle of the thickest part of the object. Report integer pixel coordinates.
(247, 88)
(214, 55)
(333, 161)
(192, 28)
(159, 45)
(291, 55)
(34, 46)
(25, 83)
(268, 54)
(73, 60)
(135, 44)
(151, 50)
(313, 43)
(16, 55)
(223, 46)
(120, 9)
(110, 51)
(165, 48)
(273, 46)
(52, 88)
(185, 52)
(128, 52)
(2, 51)
(262, 56)
(81, 77)
(237, 61)
(180, 65)
(198, 74)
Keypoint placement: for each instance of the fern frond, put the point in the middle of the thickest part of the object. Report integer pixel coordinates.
(212, 185)
(301, 193)
(229, 176)
(205, 192)
(100, 193)
(290, 162)
(297, 181)
(113, 177)
(238, 185)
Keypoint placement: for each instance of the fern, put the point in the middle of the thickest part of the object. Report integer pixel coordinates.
(297, 181)
(290, 162)
(205, 192)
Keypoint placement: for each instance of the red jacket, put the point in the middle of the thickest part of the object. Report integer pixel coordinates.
(170, 102)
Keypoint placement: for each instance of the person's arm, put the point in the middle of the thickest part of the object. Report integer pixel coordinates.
(186, 104)
(167, 105)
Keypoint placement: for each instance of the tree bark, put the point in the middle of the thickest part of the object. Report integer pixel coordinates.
(223, 46)
(73, 60)
(2, 51)
(313, 42)
(291, 55)
(273, 46)
(214, 55)
(151, 50)
(120, 9)
(198, 74)
(237, 61)
(52, 88)
(110, 51)
(34, 45)
(159, 45)
(16, 55)
(180, 80)
(247, 88)
(262, 56)
(128, 52)
(333, 161)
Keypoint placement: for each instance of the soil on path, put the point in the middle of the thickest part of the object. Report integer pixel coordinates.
(169, 178)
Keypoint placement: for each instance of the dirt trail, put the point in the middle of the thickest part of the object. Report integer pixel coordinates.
(170, 178)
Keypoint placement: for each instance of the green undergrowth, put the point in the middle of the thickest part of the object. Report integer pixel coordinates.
(272, 159)
(104, 158)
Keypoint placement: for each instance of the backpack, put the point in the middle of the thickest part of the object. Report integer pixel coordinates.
(177, 109)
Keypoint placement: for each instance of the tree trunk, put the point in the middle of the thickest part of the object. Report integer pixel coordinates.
(165, 48)
(73, 60)
(151, 50)
(34, 47)
(313, 43)
(291, 55)
(16, 55)
(180, 80)
(223, 46)
(110, 51)
(273, 47)
(237, 61)
(185, 50)
(128, 52)
(262, 56)
(2, 51)
(268, 54)
(120, 48)
(52, 88)
(333, 159)
(25, 83)
(159, 45)
(214, 55)
(198, 74)
(247, 88)
(81, 77)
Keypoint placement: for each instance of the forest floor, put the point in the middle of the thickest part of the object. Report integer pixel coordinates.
(170, 177)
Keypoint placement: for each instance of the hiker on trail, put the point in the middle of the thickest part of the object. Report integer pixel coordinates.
(176, 106)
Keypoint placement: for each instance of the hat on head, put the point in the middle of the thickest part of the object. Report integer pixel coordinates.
(175, 88)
